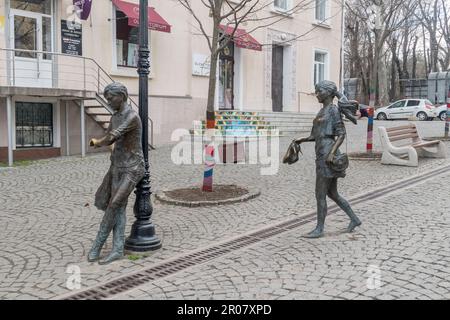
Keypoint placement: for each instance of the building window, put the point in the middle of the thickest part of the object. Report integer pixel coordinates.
(34, 124)
(32, 31)
(281, 4)
(127, 42)
(320, 66)
(321, 10)
(226, 77)
(40, 6)
(25, 36)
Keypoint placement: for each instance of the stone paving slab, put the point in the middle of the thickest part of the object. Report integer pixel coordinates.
(48, 219)
(400, 253)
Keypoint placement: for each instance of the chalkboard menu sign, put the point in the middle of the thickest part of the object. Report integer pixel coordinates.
(71, 38)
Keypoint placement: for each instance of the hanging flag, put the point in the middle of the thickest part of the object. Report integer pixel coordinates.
(84, 8)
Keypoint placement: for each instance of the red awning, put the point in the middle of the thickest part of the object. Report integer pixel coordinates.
(131, 10)
(242, 39)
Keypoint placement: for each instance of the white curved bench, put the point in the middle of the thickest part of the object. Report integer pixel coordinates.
(407, 154)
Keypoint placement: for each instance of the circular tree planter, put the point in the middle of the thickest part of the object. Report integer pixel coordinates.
(365, 156)
(195, 197)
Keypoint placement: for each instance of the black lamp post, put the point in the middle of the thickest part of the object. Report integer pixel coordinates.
(142, 237)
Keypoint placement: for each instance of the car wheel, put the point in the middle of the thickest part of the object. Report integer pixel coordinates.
(422, 116)
(381, 116)
(443, 115)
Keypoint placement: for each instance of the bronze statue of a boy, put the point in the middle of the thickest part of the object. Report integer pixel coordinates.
(328, 132)
(125, 172)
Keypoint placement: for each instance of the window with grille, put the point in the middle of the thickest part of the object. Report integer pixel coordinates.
(34, 124)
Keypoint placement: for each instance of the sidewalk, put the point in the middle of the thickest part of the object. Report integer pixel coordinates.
(399, 252)
(50, 221)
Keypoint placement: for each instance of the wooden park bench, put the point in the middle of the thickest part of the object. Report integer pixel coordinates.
(411, 146)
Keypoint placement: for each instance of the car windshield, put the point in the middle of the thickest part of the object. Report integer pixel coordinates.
(428, 102)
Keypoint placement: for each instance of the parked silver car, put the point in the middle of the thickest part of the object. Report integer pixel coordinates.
(441, 112)
(421, 109)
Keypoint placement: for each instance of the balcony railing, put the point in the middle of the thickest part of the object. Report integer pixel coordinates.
(42, 69)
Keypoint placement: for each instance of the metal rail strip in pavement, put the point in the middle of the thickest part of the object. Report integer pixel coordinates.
(169, 267)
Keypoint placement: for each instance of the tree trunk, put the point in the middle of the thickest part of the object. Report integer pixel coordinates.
(374, 78)
(382, 82)
(392, 93)
(213, 70)
(414, 59)
(210, 114)
(405, 54)
(433, 53)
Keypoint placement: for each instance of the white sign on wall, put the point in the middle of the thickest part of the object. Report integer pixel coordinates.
(200, 65)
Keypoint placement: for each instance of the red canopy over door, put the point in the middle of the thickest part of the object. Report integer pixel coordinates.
(131, 10)
(242, 39)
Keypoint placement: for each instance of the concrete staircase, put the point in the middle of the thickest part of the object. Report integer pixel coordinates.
(99, 110)
(289, 123)
(237, 123)
(246, 123)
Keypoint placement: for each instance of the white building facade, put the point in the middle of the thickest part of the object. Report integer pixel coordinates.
(51, 70)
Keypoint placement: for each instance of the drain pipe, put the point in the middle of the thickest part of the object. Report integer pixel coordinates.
(341, 78)
(83, 130)
(10, 130)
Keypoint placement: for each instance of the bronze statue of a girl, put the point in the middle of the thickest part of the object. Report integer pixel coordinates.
(328, 132)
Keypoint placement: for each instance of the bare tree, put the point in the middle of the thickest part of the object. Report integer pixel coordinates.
(392, 21)
(428, 14)
(444, 26)
(226, 17)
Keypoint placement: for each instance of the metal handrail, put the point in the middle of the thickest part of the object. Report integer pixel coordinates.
(99, 68)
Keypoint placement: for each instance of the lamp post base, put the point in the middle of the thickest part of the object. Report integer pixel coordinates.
(142, 237)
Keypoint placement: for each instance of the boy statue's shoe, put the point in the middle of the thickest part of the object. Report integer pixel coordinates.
(113, 256)
(94, 253)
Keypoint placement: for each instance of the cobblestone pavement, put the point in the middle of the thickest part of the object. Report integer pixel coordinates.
(400, 252)
(48, 220)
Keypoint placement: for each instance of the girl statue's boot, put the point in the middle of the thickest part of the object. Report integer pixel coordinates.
(354, 220)
(353, 224)
(321, 214)
(316, 233)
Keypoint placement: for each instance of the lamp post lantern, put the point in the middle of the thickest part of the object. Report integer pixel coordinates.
(143, 237)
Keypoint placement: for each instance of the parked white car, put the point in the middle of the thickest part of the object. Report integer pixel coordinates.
(421, 109)
(441, 112)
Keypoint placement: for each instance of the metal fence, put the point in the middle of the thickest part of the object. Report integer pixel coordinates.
(438, 86)
(352, 87)
(414, 88)
(434, 88)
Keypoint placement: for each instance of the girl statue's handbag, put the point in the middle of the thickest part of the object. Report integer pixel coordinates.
(291, 155)
(340, 162)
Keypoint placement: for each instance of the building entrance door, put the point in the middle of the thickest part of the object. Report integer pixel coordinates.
(31, 31)
(277, 78)
(226, 77)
